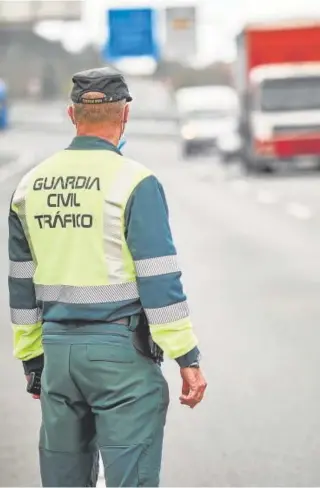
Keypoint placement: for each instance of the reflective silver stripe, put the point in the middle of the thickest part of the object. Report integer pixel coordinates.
(21, 316)
(165, 315)
(87, 294)
(113, 215)
(156, 266)
(21, 269)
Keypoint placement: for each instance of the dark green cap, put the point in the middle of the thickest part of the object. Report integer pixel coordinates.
(107, 81)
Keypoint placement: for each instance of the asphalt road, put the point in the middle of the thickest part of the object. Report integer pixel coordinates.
(249, 248)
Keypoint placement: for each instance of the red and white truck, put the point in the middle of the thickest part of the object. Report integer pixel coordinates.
(277, 77)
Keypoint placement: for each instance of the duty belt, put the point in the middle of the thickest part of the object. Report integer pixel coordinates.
(142, 339)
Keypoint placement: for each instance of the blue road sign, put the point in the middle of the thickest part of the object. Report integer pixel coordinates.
(131, 34)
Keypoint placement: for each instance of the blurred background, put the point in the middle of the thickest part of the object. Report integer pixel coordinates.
(226, 111)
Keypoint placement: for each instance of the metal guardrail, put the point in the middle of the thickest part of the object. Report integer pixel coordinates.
(151, 128)
(21, 108)
(52, 117)
(155, 116)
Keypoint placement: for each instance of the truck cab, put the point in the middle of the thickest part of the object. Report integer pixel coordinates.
(277, 77)
(285, 110)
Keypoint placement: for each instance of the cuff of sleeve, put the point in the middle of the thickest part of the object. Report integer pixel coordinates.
(34, 364)
(189, 358)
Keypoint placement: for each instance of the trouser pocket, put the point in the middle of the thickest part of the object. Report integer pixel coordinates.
(111, 352)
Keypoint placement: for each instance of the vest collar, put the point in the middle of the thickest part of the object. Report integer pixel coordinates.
(87, 143)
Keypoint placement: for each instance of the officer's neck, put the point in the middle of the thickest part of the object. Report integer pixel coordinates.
(102, 133)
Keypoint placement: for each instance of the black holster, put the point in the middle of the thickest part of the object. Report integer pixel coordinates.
(143, 342)
(34, 383)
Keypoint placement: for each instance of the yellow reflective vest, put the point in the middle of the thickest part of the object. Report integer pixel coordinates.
(90, 241)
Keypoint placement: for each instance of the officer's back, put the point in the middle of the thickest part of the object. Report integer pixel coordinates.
(96, 297)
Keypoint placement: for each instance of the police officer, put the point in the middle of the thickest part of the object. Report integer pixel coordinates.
(96, 297)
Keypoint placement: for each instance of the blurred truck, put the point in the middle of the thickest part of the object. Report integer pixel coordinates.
(277, 77)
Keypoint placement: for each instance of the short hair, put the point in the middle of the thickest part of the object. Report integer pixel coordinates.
(110, 112)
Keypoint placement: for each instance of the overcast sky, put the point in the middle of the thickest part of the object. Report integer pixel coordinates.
(219, 20)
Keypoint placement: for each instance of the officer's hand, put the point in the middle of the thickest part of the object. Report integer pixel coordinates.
(193, 386)
(35, 397)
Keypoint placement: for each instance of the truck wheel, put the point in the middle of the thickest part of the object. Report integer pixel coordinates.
(187, 151)
(258, 167)
(249, 166)
(267, 168)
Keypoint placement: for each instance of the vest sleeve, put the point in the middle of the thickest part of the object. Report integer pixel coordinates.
(160, 288)
(25, 315)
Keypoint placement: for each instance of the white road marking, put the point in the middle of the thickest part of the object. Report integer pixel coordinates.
(101, 481)
(266, 197)
(202, 169)
(299, 211)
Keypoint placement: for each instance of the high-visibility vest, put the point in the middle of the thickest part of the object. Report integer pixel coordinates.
(70, 260)
(64, 216)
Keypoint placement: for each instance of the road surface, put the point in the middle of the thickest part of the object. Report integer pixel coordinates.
(249, 248)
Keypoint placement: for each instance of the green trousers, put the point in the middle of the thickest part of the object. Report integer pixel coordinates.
(100, 394)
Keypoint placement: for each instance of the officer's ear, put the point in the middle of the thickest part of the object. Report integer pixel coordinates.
(71, 114)
(126, 113)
